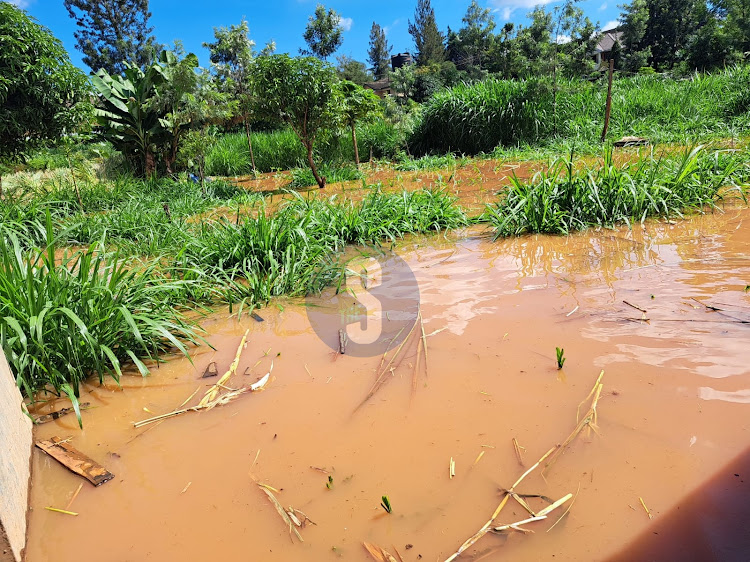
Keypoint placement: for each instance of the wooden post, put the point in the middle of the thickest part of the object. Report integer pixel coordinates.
(609, 99)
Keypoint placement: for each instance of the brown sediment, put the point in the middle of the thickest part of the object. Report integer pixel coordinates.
(670, 414)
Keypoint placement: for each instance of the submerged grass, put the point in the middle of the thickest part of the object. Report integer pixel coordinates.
(565, 198)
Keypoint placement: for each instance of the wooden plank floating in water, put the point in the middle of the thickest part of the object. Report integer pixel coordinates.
(75, 461)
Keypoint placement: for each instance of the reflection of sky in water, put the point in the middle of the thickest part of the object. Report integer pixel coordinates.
(456, 289)
(739, 396)
(597, 271)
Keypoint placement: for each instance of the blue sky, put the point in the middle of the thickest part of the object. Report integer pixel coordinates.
(284, 21)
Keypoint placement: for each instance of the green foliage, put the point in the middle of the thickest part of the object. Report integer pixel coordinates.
(357, 105)
(323, 33)
(111, 33)
(386, 504)
(427, 37)
(85, 313)
(470, 46)
(137, 110)
(353, 71)
(379, 53)
(302, 177)
(477, 118)
(567, 197)
(298, 92)
(560, 356)
(42, 95)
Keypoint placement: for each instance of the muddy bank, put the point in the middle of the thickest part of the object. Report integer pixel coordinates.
(673, 411)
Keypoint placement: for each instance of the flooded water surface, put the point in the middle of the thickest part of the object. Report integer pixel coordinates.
(640, 305)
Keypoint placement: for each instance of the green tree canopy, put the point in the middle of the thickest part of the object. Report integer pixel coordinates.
(299, 92)
(113, 32)
(379, 53)
(359, 104)
(42, 95)
(474, 39)
(353, 70)
(232, 57)
(427, 38)
(324, 33)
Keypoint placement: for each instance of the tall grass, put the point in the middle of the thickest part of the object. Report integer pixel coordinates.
(477, 118)
(565, 198)
(282, 150)
(65, 317)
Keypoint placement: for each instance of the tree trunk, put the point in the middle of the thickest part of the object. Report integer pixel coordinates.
(150, 164)
(250, 144)
(356, 148)
(321, 181)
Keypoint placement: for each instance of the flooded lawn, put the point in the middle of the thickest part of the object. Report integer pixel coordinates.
(673, 412)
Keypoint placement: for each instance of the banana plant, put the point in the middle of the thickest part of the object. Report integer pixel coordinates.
(132, 112)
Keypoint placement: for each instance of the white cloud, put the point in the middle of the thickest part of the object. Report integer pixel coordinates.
(21, 3)
(388, 28)
(562, 39)
(507, 7)
(346, 23)
(611, 25)
(603, 7)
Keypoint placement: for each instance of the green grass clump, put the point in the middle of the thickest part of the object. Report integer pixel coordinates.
(563, 198)
(478, 117)
(427, 163)
(303, 177)
(84, 312)
(294, 251)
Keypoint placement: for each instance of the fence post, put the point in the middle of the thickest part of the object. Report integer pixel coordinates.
(609, 99)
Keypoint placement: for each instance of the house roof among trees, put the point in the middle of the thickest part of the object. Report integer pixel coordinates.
(607, 40)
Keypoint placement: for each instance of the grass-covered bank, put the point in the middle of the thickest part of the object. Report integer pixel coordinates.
(67, 315)
(476, 118)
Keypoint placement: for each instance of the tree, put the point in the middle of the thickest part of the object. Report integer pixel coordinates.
(659, 31)
(353, 70)
(359, 104)
(379, 54)
(475, 37)
(635, 18)
(232, 56)
(323, 33)
(112, 32)
(204, 107)
(736, 15)
(136, 110)
(534, 45)
(403, 81)
(42, 95)
(427, 38)
(298, 92)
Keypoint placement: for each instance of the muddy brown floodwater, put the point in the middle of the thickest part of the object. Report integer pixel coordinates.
(674, 412)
